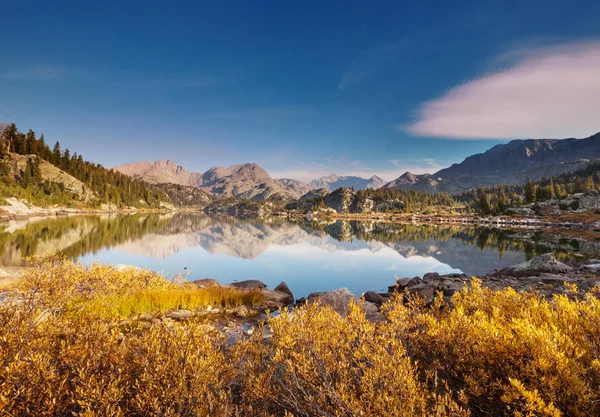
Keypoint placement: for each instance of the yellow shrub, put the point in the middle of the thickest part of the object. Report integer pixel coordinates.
(510, 352)
(497, 353)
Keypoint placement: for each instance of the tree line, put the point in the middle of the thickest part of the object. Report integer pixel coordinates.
(108, 186)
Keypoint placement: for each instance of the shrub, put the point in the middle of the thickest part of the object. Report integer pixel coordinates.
(497, 353)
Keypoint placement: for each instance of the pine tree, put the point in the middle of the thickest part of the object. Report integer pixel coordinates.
(56, 153)
(529, 192)
(502, 200)
(589, 183)
(31, 143)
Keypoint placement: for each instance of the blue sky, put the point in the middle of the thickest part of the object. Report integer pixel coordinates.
(303, 88)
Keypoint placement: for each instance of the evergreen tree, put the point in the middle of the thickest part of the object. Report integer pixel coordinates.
(589, 183)
(31, 143)
(56, 154)
(529, 192)
(502, 200)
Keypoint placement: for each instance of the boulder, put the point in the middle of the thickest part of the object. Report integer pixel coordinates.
(373, 297)
(285, 289)
(251, 284)
(427, 292)
(180, 314)
(206, 283)
(276, 298)
(545, 263)
(339, 300)
(430, 276)
(402, 283)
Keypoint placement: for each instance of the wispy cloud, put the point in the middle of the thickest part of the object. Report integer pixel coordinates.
(40, 73)
(370, 61)
(542, 92)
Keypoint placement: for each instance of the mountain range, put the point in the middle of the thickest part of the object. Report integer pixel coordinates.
(511, 163)
(333, 182)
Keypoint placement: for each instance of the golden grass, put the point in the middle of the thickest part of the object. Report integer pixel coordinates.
(493, 353)
(172, 298)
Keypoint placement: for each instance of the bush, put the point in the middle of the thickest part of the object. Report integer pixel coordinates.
(497, 353)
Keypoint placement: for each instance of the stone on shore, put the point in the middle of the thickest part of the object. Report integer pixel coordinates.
(545, 263)
(339, 301)
(284, 288)
(206, 283)
(276, 298)
(251, 284)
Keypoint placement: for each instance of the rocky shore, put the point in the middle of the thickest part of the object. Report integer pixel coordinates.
(543, 274)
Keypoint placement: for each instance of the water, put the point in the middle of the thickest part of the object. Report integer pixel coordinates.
(308, 256)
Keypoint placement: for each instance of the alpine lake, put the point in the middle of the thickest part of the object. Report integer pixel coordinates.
(309, 256)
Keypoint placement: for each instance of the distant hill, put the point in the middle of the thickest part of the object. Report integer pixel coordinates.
(333, 182)
(248, 181)
(511, 163)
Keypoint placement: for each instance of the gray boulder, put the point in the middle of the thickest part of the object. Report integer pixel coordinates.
(545, 263)
(285, 289)
(339, 300)
(276, 298)
(206, 283)
(251, 284)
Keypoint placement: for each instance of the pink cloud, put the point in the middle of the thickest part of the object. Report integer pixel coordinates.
(550, 92)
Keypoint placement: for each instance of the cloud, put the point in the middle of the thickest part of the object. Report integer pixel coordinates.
(543, 92)
(41, 73)
(370, 61)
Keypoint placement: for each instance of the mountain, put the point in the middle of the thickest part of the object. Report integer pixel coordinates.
(511, 163)
(299, 187)
(158, 172)
(242, 181)
(333, 182)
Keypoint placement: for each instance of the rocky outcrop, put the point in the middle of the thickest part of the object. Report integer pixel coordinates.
(340, 200)
(314, 194)
(543, 274)
(546, 263)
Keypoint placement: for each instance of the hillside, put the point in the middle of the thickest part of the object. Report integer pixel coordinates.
(30, 170)
(511, 163)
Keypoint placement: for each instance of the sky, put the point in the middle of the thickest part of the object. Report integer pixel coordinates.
(304, 89)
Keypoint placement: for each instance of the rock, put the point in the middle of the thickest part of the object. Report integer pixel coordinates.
(545, 263)
(569, 204)
(340, 200)
(276, 298)
(431, 276)
(180, 314)
(339, 300)
(424, 291)
(284, 288)
(146, 316)
(373, 297)
(402, 283)
(251, 284)
(206, 283)
(450, 287)
(267, 332)
(243, 311)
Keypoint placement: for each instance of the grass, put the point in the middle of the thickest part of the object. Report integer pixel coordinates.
(172, 298)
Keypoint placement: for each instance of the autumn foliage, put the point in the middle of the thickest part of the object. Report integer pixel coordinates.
(490, 353)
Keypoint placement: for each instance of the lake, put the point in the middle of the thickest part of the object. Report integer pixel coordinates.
(308, 256)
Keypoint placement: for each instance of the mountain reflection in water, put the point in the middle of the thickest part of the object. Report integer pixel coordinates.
(309, 256)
